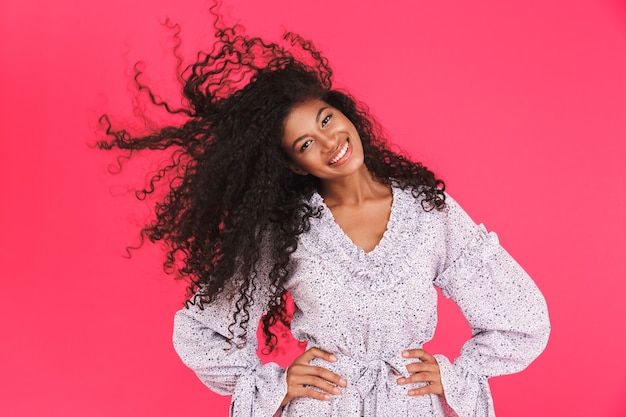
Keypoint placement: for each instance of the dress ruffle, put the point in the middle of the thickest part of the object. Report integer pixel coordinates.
(259, 392)
(465, 393)
(368, 271)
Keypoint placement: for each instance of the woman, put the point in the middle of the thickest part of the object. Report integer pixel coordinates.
(279, 184)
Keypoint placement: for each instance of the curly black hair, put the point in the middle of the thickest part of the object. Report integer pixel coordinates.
(229, 187)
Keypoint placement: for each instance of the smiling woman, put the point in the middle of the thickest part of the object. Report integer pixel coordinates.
(281, 185)
(327, 144)
(330, 149)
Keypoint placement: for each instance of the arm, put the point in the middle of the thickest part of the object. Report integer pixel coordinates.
(201, 340)
(503, 306)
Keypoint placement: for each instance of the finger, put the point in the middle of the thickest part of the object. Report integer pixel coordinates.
(430, 377)
(317, 382)
(418, 353)
(312, 353)
(297, 370)
(422, 367)
(436, 388)
(311, 393)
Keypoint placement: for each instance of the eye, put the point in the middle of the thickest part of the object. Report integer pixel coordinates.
(305, 145)
(326, 119)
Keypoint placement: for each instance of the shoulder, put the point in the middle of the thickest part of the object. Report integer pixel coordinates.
(417, 198)
(450, 220)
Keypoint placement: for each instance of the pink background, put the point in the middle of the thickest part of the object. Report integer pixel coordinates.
(519, 105)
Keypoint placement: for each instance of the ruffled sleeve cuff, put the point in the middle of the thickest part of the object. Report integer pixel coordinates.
(466, 394)
(482, 249)
(259, 392)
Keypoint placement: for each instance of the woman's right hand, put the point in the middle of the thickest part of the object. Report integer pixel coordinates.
(301, 373)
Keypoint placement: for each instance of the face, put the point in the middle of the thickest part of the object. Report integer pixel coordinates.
(321, 141)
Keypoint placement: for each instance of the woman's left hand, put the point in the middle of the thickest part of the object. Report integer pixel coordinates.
(425, 371)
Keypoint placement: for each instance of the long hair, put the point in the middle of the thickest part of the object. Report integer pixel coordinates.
(229, 188)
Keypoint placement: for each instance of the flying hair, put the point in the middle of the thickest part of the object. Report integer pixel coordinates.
(233, 210)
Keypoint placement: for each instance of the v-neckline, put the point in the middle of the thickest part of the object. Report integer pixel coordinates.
(348, 240)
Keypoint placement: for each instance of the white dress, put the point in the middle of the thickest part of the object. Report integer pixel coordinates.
(367, 308)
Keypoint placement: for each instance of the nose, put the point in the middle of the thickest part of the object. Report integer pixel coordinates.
(330, 141)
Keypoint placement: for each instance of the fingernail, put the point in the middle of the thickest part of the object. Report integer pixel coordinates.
(405, 354)
(401, 380)
(332, 358)
(326, 397)
(343, 382)
(336, 390)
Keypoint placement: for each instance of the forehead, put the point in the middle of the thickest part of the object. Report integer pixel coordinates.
(301, 117)
(304, 110)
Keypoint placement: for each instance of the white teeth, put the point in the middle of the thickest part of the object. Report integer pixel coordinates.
(340, 155)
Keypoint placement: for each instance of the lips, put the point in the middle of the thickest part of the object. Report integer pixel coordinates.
(341, 153)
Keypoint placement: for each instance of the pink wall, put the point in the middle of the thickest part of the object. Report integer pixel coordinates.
(520, 106)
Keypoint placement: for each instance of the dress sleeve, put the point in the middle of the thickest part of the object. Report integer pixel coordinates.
(201, 341)
(504, 307)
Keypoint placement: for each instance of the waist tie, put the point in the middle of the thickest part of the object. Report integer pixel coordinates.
(366, 373)
(373, 374)
(370, 385)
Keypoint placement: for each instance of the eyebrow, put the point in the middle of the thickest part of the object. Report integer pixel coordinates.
(317, 119)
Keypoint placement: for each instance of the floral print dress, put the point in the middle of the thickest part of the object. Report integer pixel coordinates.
(367, 308)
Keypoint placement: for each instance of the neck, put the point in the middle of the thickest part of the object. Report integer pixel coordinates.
(352, 190)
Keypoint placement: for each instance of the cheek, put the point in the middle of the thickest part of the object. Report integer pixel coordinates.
(358, 143)
(306, 160)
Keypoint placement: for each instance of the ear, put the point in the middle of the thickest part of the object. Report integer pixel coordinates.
(298, 170)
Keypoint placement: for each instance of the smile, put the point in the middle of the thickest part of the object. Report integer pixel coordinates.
(341, 154)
